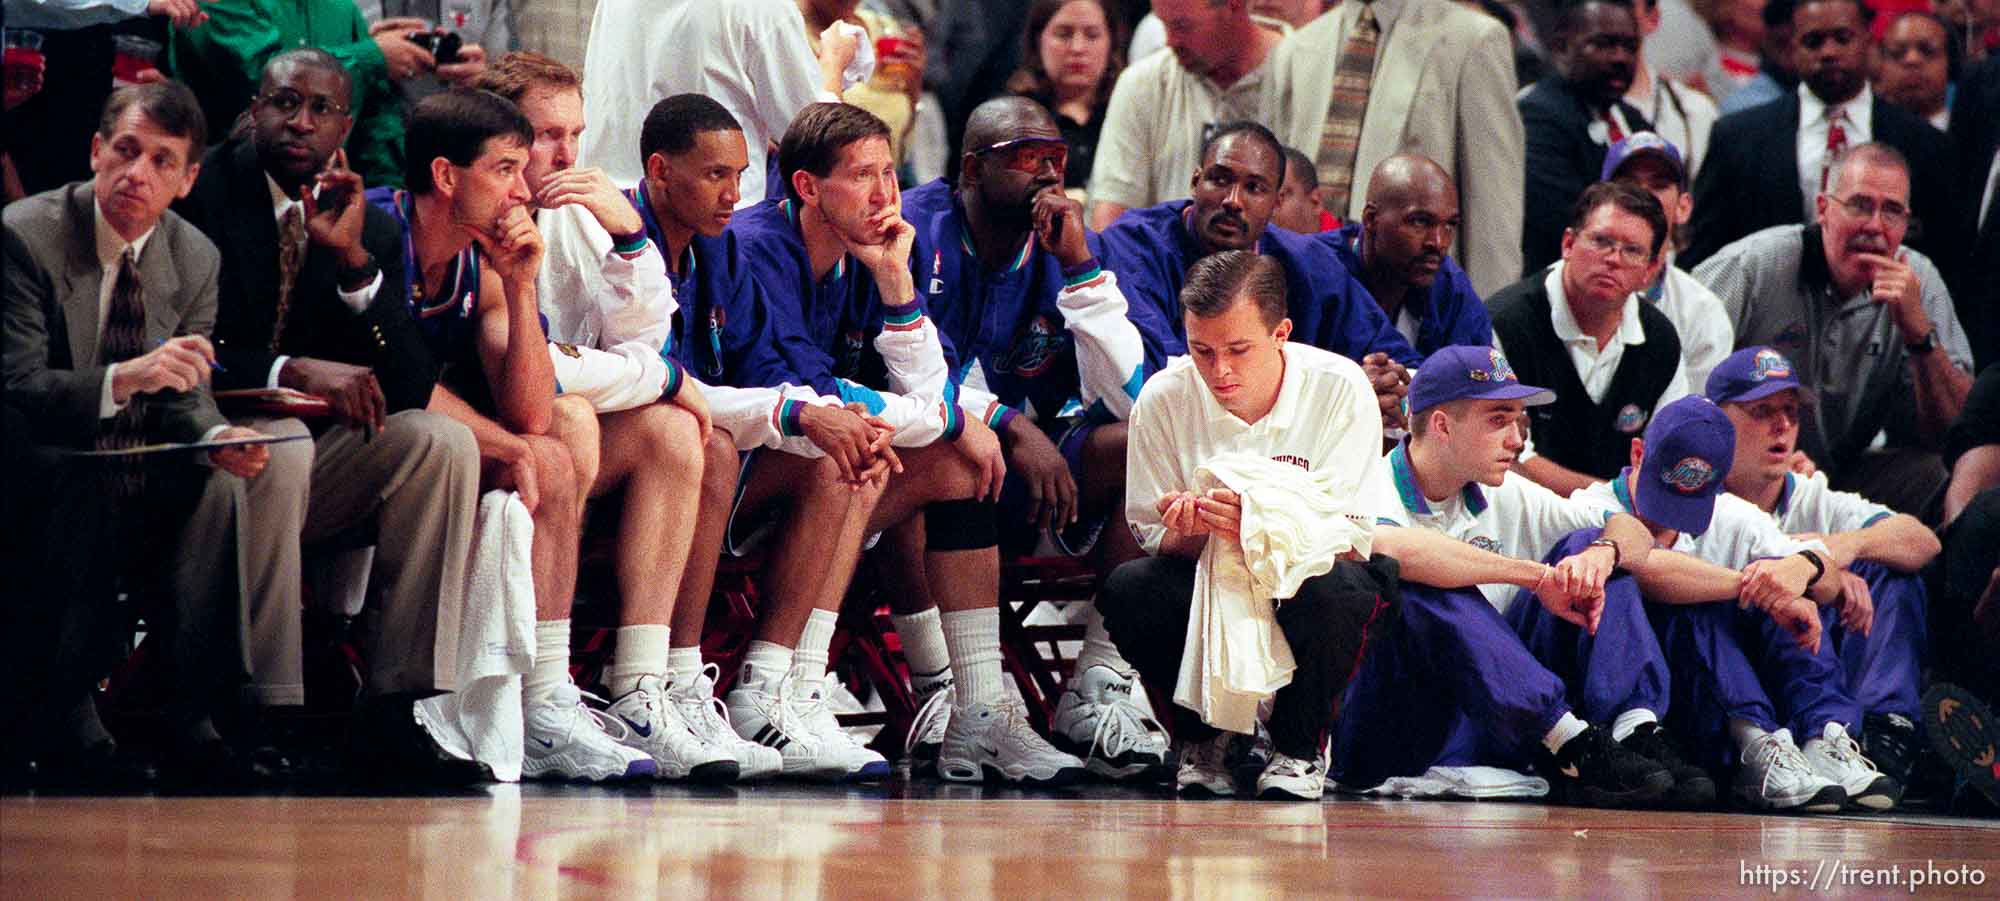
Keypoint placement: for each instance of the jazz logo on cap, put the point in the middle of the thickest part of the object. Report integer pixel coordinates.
(1771, 364)
(1630, 419)
(1689, 476)
(1502, 371)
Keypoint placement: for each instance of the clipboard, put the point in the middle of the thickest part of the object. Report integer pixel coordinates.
(169, 446)
(273, 402)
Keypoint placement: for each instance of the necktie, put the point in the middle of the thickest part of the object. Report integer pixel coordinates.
(124, 338)
(291, 255)
(1836, 144)
(1611, 128)
(1341, 138)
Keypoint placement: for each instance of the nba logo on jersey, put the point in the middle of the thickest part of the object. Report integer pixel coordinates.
(1771, 364)
(1689, 476)
(1630, 419)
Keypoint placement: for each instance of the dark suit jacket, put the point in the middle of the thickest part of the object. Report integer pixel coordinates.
(53, 374)
(232, 204)
(1562, 161)
(1975, 128)
(1750, 180)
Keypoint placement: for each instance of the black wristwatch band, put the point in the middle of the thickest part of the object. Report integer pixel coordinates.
(358, 276)
(1926, 345)
(1617, 556)
(1819, 567)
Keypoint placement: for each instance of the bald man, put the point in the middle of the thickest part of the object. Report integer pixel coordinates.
(1399, 250)
(1041, 347)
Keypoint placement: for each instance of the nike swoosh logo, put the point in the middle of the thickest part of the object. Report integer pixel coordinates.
(989, 750)
(546, 743)
(645, 731)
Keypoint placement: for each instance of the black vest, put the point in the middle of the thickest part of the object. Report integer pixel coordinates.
(1592, 438)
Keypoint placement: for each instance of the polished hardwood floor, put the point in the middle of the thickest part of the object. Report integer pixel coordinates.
(931, 841)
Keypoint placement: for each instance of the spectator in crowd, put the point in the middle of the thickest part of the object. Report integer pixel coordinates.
(891, 91)
(313, 297)
(1351, 118)
(222, 60)
(974, 46)
(1975, 129)
(558, 28)
(1166, 105)
(1074, 52)
(79, 41)
(1235, 189)
(1571, 117)
(1679, 112)
(1742, 33)
(1299, 199)
(1649, 163)
(1399, 249)
(1683, 48)
(479, 24)
(1916, 65)
(1776, 73)
(1868, 319)
(751, 55)
(109, 301)
(1770, 166)
(1579, 325)
(1877, 638)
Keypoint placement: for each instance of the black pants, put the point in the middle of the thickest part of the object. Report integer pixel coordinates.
(1960, 647)
(1329, 624)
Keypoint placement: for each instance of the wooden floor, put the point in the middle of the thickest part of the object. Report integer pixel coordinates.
(947, 842)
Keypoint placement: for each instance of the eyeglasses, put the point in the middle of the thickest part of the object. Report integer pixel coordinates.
(1607, 247)
(1029, 154)
(288, 102)
(1894, 214)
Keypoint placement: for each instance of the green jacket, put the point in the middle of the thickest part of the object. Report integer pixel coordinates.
(223, 60)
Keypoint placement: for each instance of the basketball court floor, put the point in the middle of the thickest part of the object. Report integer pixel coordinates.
(928, 840)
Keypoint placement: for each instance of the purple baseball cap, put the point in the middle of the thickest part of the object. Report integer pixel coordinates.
(1753, 373)
(1642, 142)
(1689, 446)
(1470, 371)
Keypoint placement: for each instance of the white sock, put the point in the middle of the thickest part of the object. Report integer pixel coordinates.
(640, 651)
(1098, 649)
(1630, 721)
(1743, 732)
(925, 650)
(551, 669)
(765, 662)
(810, 655)
(683, 665)
(974, 638)
(1565, 729)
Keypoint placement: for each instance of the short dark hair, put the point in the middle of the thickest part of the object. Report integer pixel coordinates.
(1860, 9)
(1297, 163)
(1216, 281)
(673, 122)
(169, 105)
(1569, 12)
(1256, 131)
(814, 140)
(1637, 201)
(1779, 12)
(521, 71)
(310, 57)
(456, 125)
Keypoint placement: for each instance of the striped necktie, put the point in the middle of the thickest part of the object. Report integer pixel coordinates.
(1341, 138)
(1836, 144)
(124, 338)
(291, 256)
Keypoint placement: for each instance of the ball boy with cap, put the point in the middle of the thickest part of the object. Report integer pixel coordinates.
(1727, 665)
(1879, 634)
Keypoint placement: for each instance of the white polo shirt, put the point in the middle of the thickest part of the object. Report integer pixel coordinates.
(1738, 533)
(1519, 519)
(1325, 418)
(1809, 504)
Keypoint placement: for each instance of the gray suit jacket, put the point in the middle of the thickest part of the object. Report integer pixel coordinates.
(1443, 87)
(53, 374)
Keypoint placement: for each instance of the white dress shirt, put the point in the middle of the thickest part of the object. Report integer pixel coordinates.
(111, 247)
(1814, 116)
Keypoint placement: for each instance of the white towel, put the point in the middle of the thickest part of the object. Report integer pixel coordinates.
(1469, 782)
(1294, 527)
(496, 643)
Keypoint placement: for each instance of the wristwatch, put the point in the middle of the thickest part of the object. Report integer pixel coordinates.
(1617, 558)
(358, 276)
(1921, 347)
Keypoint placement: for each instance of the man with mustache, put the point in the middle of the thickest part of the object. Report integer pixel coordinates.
(1572, 115)
(1877, 637)
(1579, 326)
(833, 258)
(1399, 250)
(1038, 336)
(1235, 188)
(1871, 323)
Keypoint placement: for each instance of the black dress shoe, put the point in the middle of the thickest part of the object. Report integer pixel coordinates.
(103, 766)
(386, 745)
(206, 762)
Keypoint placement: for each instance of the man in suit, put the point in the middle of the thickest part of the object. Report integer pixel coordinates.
(109, 301)
(312, 298)
(1574, 115)
(1975, 127)
(1766, 166)
(1443, 86)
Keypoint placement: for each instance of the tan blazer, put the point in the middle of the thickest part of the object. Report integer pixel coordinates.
(1443, 87)
(53, 281)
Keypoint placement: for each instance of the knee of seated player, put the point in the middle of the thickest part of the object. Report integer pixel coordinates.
(555, 474)
(720, 467)
(575, 425)
(673, 438)
(938, 472)
(1104, 455)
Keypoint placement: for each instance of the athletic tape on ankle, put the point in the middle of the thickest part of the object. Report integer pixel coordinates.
(965, 525)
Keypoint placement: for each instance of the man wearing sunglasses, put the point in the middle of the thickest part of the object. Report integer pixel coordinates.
(1870, 323)
(1040, 346)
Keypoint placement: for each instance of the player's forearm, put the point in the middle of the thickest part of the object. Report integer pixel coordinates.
(1671, 577)
(527, 393)
(1900, 542)
(1433, 559)
(1635, 544)
(494, 441)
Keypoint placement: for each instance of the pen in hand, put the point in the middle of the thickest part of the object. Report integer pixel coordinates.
(215, 365)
